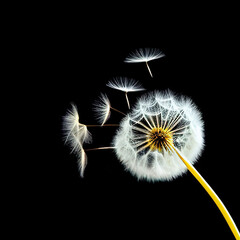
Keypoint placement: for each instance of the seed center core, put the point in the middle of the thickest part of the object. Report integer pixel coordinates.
(160, 139)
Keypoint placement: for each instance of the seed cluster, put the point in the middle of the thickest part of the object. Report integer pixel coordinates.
(160, 139)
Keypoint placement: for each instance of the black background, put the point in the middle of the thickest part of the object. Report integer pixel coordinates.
(78, 52)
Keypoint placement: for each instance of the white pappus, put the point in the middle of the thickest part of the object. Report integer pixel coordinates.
(102, 108)
(75, 135)
(144, 55)
(126, 85)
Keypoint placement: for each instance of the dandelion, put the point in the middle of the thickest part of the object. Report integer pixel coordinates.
(144, 55)
(126, 85)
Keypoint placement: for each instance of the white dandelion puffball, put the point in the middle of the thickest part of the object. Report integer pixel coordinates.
(159, 122)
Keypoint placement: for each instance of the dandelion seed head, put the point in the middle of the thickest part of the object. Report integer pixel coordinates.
(144, 55)
(158, 121)
(125, 84)
(102, 109)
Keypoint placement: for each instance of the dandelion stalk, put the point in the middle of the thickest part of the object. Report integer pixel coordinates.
(212, 194)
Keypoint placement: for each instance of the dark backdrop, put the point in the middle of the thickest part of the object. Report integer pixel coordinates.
(80, 54)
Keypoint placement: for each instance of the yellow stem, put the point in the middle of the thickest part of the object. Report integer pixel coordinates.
(212, 194)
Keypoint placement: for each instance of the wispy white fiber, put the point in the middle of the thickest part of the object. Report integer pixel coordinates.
(125, 84)
(102, 109)
(75, 134)
(144, 55)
